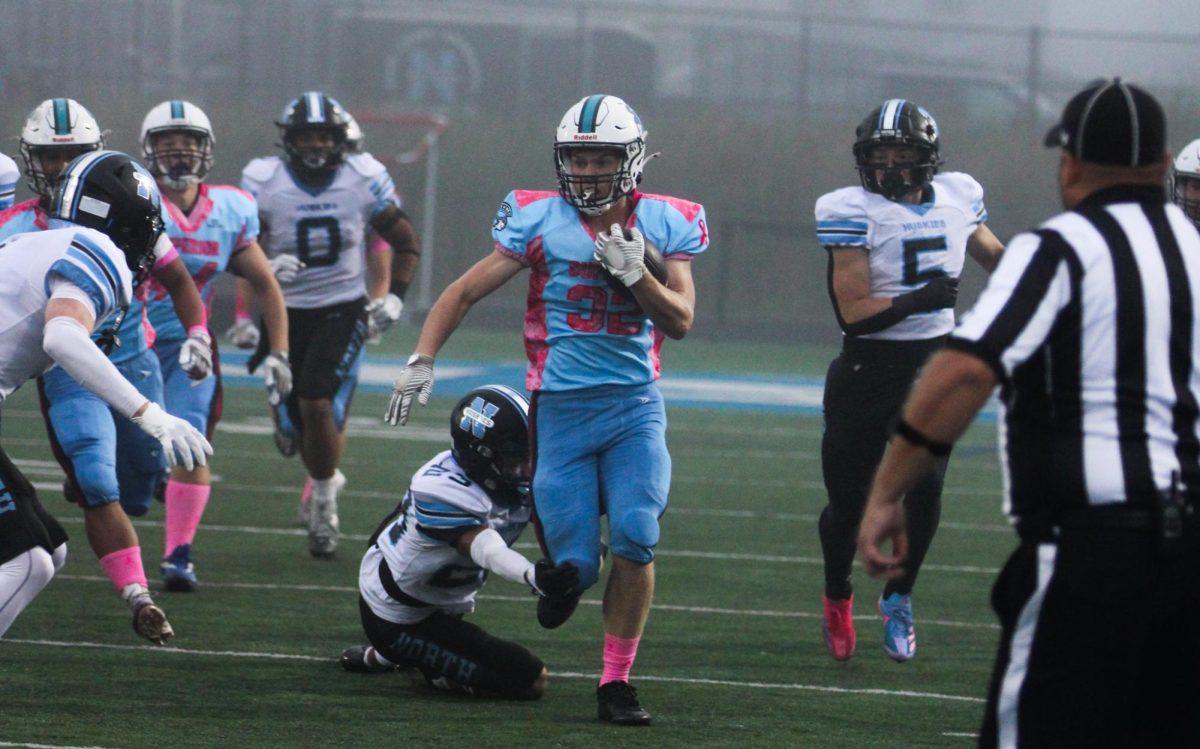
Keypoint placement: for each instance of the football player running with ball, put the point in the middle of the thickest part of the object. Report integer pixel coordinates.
(597, 418)
(317, 204)
(461, 514)
(896, 248)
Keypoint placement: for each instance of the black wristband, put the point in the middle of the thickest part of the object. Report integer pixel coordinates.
(910, 434)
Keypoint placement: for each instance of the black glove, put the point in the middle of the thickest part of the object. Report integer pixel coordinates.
(555, 581)
(939, 293)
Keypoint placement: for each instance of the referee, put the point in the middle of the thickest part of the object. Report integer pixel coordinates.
(1090, 324)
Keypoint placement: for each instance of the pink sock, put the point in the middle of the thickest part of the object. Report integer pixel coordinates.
(185, 505)
(124, 566)
(618, 658)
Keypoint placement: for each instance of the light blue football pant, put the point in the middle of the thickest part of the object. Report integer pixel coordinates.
(600, 450)
(110, 458)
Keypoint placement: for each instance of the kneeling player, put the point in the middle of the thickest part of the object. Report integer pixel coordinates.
(430, 556)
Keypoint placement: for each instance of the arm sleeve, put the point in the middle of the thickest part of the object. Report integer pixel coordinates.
(509, 230)
(66, 341)
(489, 551)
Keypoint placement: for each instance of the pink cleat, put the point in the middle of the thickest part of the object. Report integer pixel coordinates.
(837, 624)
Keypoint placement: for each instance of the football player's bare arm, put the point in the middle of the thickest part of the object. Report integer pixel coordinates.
(671, 307)
(250, 265)
(481, 279)
(850, 282)
(984, 247)
(379, 272)
(394, 226)
(185, 298)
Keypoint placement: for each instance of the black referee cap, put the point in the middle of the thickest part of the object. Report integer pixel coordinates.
(1112, 122)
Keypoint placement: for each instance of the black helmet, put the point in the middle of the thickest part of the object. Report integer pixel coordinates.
(110, 192)
(490, 431)
(903, 123)
(314, 110)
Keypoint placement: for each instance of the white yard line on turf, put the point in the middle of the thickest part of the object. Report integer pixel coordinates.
(560, 674)
(350, 590)
(46, 746)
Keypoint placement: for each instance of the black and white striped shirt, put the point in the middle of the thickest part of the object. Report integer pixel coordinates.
(1092, 323)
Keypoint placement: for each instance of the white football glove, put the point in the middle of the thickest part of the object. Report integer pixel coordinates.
(243, 334)
(624, 258)
(382, 313)
(286, 267)
(415, 381)
(180, 440)
(195, 355)
(277, 376)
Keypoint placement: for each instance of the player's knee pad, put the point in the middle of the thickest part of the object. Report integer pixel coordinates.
(634, 535)
(95, 474)
(42, 567)
(137, 492)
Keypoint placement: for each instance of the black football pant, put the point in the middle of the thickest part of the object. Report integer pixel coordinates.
(865, 387)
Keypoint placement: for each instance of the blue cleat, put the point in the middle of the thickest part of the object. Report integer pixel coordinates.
(899, 639)
(178, 573)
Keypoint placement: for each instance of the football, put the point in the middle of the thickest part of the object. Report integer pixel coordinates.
(655, 266)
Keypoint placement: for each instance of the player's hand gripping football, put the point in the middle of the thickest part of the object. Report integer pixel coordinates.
(195, 355)
(382, 313)
(181, 441)
(277, 376)
(243, 334)
(622, 253)
(415, 382)
(554, 581)
(286, 267)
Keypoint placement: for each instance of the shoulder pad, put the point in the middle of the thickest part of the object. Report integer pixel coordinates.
(959, 184)
(365, 164)
(262, 169)
(848, 202)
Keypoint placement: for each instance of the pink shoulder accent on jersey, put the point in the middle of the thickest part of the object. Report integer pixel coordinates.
(525, 197)
(231, 188)
(689, 209)
(200, 211)
(32, 204)
(522, 259)
(535, 330)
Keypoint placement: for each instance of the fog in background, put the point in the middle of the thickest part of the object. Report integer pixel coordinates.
(753, 109)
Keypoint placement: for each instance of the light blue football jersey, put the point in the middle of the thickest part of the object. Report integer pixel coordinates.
(223, 221)
(579, 332)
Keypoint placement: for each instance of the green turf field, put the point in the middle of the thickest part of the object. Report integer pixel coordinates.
(732, 655)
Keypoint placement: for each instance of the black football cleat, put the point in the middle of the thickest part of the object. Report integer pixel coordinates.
(355, 661)
(617, 703)
(554, 611)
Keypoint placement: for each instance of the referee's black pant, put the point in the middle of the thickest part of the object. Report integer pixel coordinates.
(1100, 643)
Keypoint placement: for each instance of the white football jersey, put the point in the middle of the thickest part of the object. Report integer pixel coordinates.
(29, 263)
(440, 500)
(908, 244)
(9, 175)
(323, 226)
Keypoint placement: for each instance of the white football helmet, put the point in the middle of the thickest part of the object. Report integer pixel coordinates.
(57, 127)
(354, 135)
(1185, 172)
(178, 167)
(597, 122)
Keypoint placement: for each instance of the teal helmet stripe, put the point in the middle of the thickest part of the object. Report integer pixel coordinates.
(176, 109)
(62, 117)
(587, 118)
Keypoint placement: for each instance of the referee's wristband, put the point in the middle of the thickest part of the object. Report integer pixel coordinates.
(911, 435)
